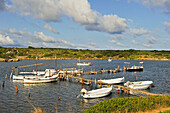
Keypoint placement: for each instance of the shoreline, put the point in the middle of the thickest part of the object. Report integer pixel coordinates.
(18, 59)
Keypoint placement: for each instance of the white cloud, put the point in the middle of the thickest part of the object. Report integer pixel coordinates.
(113, 41)
(36, 39)
(48, 10)
(146, 45)
(167, 26)
(164, 4)
(116, 36)
(151, 40)
(92, 44)
(78, 10)
(43, 37)
(138, 32)
(117, 43)
(134, 42)
(48, 27)
(109, 23)
(6, 40)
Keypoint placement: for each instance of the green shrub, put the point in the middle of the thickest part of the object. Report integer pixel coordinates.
(129, 104)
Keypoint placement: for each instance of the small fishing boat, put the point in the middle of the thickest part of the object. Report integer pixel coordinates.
(96, 93)
(133, 68)
(109, 59)
(113, 81)
(83, 63)
(34, 72)
(139, 85)
(38, 80)
(71, 70)
(41, 79)
(48, 72)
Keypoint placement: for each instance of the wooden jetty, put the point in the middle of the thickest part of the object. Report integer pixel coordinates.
(70, 76)
(117, 87)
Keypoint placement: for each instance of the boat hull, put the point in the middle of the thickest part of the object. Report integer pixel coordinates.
(131, 70)
(21, 77)
(84, 64)
(38, 80)
(139, 85)
(97, 93)
(113, 81)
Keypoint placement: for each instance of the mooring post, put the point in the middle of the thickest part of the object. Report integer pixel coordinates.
(3, 84)
(16, 88)
(91, 84)
(100, 85)
(81, 80)
(6, 76)
(29, 91)
(95, 83)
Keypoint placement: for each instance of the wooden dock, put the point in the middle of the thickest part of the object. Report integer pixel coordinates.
(117, 87)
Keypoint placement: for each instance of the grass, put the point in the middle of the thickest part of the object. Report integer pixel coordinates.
(131, 54)
(130, 104)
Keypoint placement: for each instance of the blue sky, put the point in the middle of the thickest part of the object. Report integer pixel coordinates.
(86, 24)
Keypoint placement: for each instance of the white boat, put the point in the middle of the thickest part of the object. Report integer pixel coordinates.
(96, 93)
(138, 85)
(83, 63)
(71, 70)
(48, 72)
(21, 77)
(38, 80)
(34, 72)
(113, 81)
(134, 68)
(110, 59)
(41, 79)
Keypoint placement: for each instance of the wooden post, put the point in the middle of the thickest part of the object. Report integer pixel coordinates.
(100, 85)
(81, 80)
(36, 65)
(91, 84)
(3, 84)
(16, 71)
(55, 64)
(29, 91)
(6, 76)
(95, 83)
(16, 88)
(73, 71)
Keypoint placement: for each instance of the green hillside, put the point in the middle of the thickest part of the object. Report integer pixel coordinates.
(31, 53)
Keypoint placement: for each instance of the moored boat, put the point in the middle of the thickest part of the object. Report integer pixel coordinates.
(47, 72)
(139, 85)
(113, 81)
(83, 63)
(109, 59)
(71, 71)
(96, 93)
(134, 68)
(38, 80)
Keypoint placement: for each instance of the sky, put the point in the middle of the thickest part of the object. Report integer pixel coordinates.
(86, 24)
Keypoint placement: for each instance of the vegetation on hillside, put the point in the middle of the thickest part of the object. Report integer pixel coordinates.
(32, 52)
(130, 104)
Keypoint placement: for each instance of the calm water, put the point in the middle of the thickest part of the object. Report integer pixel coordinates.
(46, 96)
